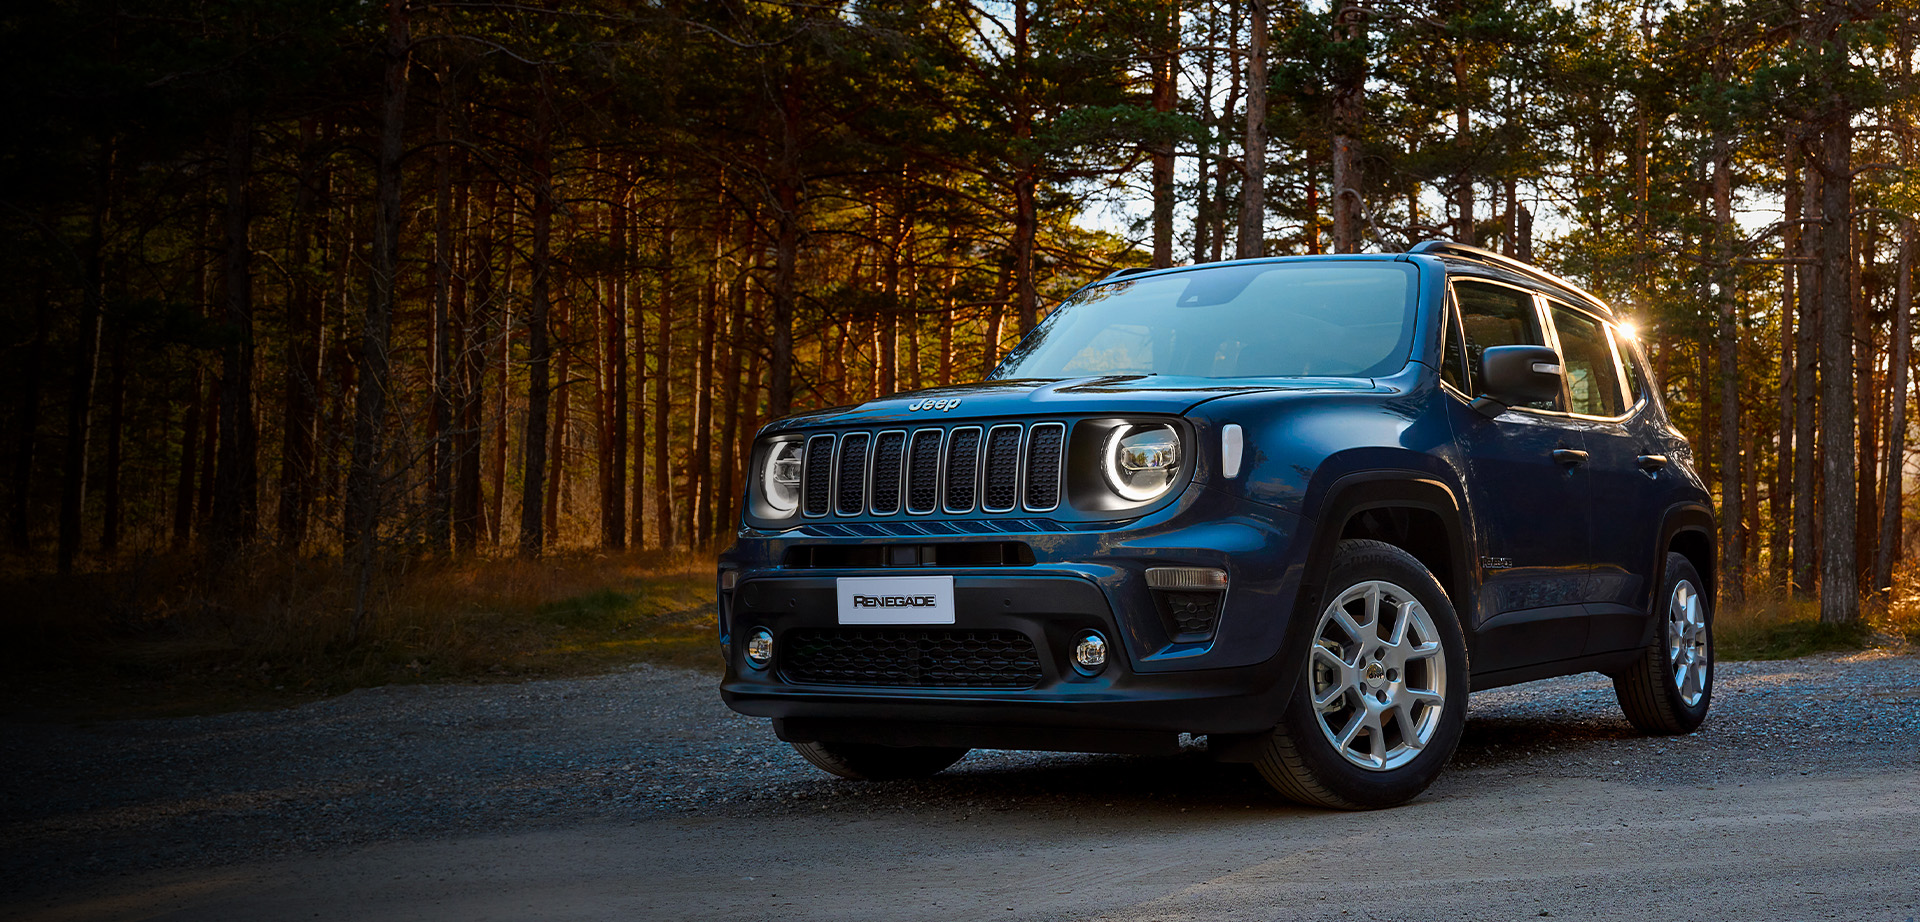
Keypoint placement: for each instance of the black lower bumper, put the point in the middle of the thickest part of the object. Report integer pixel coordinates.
(1115, 709)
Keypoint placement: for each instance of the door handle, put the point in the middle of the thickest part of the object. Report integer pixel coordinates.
(1569, 456)
(1651, 463)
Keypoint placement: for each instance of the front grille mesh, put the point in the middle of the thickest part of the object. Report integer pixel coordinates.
(963, 468)
(999, 468)
(909, 658)
(1003, 469)
(923, 472)
(819, 473)
(851, 495)
(1045, 445)
(887, 449)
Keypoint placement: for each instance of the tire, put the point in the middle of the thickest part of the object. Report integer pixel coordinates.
(1410, 703)
(869, 762)
(1667, 690)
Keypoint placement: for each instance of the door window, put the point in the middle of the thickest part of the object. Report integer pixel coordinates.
(1495, 315)
(1586, 355)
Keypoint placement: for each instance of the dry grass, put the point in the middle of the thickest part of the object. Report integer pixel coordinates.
(174, 635)
(1769, 624)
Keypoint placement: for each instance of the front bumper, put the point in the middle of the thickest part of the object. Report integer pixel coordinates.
(1231, 683)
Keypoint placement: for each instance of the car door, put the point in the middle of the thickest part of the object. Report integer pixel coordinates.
(1529, 492)
(1627, 469)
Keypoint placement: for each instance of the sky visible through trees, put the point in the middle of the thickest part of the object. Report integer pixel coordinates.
(433, 278)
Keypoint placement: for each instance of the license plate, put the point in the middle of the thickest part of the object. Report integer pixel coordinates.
(896, 599)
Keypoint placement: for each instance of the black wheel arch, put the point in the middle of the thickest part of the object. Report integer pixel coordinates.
(1409, 509)
(1689, 529)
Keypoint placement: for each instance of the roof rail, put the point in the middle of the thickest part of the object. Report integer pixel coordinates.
(1476, 254)
(1131, 270)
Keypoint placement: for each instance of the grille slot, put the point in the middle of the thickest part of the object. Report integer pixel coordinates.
(850, 495)
(909, 658)
(963, 468)
(923, 472)
(1003, 469)
(1046, 443)
(819, 474)
(888, 447)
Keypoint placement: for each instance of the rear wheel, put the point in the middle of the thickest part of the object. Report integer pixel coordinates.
(1668, 689)
(1382, 696)
(869, 762)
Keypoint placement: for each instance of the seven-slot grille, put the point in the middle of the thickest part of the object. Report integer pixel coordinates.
(997, 468)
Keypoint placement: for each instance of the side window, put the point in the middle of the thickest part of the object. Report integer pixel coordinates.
(1636, 386)
(1495, 315)
(1453, 365)
(1593, 380)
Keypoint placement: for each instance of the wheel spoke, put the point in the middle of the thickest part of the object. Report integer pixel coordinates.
(1402, 616)
(1355, 724)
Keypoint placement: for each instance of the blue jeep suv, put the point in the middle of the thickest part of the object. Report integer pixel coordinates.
(1297, 506)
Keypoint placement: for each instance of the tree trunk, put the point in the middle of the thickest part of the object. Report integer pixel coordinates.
(441, 423)
(662, 381)
(1253, 167)
(110, 513)
(1839, 583)
(613, 438)
(73, 472)
(559, 411)
(1164, 63)
(533, 441)
(1810, 331)
(300, 394)
(1732, 508)
(1889, 543)
(1349, 109)
(1866, 355)
(19, 521)
(374, 363)
(472, 305)
(1464, 221)
(189, 469)
(236, 470)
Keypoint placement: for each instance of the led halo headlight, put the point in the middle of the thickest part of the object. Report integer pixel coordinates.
(1140, 461)
(780, 476)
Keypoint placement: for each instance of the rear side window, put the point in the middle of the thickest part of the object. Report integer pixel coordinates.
(1495, 315)
(1586, 354)
(1636, 385)
(1453, 363)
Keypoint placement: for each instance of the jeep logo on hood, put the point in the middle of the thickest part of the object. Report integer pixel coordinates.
(943, 404)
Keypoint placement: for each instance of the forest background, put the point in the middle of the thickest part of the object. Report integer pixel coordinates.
(338, 331)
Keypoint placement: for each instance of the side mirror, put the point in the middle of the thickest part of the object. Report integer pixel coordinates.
(1516, 374)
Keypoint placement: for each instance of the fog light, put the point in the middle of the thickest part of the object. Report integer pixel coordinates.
(1090, 654)
(760, 649)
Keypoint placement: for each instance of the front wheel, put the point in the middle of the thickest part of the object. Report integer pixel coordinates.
(869, 762)
(1668, 688)
(1382, 697)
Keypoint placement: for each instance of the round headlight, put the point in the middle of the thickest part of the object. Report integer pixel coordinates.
(780, 476)
(1141, 461)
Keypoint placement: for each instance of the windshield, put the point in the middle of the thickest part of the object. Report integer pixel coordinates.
(1283, 320)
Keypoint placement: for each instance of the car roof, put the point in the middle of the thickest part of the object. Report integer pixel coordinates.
(1458, 258)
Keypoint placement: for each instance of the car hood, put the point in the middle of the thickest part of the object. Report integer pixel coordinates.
(1108, 394)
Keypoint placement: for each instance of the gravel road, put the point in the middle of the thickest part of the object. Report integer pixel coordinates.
(637, 795)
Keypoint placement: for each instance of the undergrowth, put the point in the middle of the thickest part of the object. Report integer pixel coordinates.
(176, 635)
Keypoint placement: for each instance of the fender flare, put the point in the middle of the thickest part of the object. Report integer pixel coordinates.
(1361, 491)
(1679, 519)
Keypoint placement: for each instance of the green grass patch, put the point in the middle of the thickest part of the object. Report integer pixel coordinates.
(170, 637)
(1788, 639)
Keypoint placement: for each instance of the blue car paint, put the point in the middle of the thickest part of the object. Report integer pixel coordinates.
(1310, 443)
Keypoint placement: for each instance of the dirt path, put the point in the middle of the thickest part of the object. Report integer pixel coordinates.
(636, 797)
